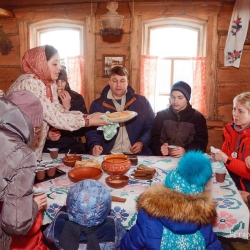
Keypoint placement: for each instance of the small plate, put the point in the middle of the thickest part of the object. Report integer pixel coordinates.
(42, 163)
(51, 165)
(133, 114)
(39, 193)
(133, 178)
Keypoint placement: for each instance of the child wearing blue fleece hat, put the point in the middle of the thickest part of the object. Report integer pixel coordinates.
(179, 214)
(84, 223)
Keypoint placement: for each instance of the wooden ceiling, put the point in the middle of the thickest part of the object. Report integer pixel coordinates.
(11, 4)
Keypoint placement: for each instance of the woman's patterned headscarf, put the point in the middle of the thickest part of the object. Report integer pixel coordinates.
(34, 62)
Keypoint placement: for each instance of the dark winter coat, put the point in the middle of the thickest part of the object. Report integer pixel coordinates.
(138, 128)
(186, 129)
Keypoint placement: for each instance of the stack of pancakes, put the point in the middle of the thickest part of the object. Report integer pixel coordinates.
(88, 163)
(143, 172)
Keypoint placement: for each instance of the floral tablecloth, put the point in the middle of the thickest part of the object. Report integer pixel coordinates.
(232, 213)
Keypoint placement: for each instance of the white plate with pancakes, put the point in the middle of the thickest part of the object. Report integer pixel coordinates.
(122, 116)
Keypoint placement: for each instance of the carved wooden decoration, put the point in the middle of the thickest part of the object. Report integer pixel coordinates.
(5, 13)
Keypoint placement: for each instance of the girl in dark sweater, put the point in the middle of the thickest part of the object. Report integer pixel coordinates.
(62, 139)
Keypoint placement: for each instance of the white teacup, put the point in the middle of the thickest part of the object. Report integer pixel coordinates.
(170, 148)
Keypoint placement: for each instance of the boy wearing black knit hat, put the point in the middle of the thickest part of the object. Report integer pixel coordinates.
(179, 125)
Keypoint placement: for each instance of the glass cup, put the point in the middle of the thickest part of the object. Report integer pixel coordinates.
(220, 175)
(40, 174)
(170, 148)
(51, 171)
(53, 152)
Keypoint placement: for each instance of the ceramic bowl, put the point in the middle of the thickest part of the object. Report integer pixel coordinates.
(70, 160)
(116, 164)
(79, 174)
(117, 181)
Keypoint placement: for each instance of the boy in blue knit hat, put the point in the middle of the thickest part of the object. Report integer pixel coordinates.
(84, 223)
(179, 125)
(179, 214)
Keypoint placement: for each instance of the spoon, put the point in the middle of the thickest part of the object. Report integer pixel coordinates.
(66, 156)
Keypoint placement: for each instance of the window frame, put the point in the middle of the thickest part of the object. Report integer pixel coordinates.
(87, 46)
(187, 23)
(36, 29)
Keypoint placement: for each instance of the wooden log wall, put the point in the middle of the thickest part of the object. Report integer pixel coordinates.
(224, 82)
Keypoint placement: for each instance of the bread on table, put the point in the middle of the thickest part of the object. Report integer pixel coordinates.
(143, 172)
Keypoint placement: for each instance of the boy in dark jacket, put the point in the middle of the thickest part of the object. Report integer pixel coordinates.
(179, 125)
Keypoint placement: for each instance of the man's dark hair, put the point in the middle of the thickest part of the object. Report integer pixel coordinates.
(118, 70)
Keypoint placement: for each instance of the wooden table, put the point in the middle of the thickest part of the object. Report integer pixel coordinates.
(232, 213)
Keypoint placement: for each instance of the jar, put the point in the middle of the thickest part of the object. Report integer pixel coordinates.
(116, 164)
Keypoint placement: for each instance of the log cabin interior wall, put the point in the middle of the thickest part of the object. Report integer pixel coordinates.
(223, 82)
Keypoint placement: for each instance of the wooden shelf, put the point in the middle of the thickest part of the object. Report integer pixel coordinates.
(5, 13)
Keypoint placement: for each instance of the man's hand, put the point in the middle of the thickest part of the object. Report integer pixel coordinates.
(178, 152)
(97, 150)
(164, 149)
(66, 99)
(137, 148)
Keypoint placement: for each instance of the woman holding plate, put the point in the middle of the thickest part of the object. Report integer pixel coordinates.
(41, 68)
(236, 146)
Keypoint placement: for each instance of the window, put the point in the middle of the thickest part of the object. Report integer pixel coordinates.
(175, 42)
(67, 38)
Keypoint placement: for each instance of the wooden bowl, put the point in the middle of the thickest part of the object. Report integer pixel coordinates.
(117, 181)
(116, 164)
(82, 173)
(70, 160)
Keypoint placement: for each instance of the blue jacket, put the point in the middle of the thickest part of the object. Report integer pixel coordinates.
(161, 207)
(138, 129)
(108, 236)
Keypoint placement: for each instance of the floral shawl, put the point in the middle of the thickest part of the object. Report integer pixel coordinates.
(34, 62)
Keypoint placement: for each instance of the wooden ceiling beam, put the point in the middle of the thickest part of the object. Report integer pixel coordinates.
(5, 13)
